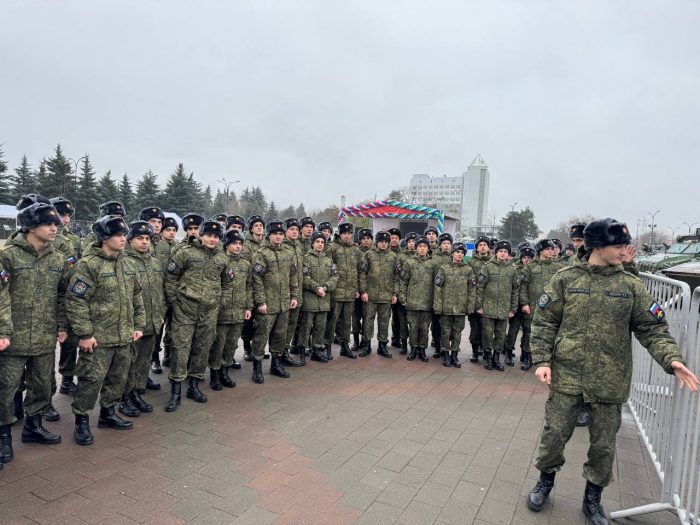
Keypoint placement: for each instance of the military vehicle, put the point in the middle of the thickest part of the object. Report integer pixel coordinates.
(688, 272)
(677, 254)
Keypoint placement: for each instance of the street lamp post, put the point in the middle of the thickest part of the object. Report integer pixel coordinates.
(227, 184)
(512, 217)
(652, 226)
(690, 227)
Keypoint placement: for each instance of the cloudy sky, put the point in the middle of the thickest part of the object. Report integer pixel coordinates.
(577, 107)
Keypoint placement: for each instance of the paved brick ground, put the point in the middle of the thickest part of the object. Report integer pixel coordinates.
(364, 441)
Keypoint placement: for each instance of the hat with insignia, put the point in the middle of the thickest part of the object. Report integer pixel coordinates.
(235, 219)
(275, 226)
(543, 244)
(63, 206)
(324, 226)
(503, 245)
(291, 222)
(152, 212)
(112, 208)
(576, 231)
(459, 247)
(492, 242)
(192, 219)
(430, 229)
(394, 231)
(170, 222)
(363, 233)
(570, 247)
(211, 228)
(382, 236)
(605, 232)
(219, 217)
(557, 243)
(233, 236)
(107, 227)
(445, 237)
(527, 251)
(253, 219)
(29, 199)
(422, 239)
(411, 236)
(138, 228)
(317, 235)
(37, 214)
(480, 239)
(346, 227)
(307, 220)
(523, 244)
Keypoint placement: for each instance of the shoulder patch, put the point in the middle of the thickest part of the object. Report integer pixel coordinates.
(71, 262)
(364, 266)
(231, 273)
(172, 266)
(657, 312)
(439, 280)
(80, 288)
(544, 301)
(305, 270)
(4, 277)
(472, 281)
(259, 269)
(481, 279)
(519, 279)
(334, 270)
(403, 274)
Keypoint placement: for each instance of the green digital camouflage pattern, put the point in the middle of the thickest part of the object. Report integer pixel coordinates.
(275, 281)
(270, 328)
(346, 257)
(497, 286)
(416, 278)
(451, 328)
(313, 328)
(418, 326)
(318, 271)
(150, 277)
(536, 275)
(140, 352)
(104, 373)
(382, 311)
(237, 297)
(223, 350)
(251, 246)
(493, 333)
(162, 249)
(378, 275)
(454, 289)
(38, 369)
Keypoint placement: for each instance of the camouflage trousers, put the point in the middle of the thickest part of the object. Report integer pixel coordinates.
(314, 328)
(474, 330)
(435, 329)
(192, 340)
(67, 359)
(493, 333)
(358, 316)
(341, 315)
(382, 311)
(293, 326)
(399, 324)
(515, 323)
(561, 411)
(272, 328)
(39, 370)
(418, 325)
(223, 350)
(451, 327)
(140, 351)
(104, 373)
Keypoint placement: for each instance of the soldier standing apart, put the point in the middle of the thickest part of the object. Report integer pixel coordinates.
(195, 279)
(32, 319)
(379, 289)
(364, 237)
(496, 301)
(235, 307)
(320, 277)
(275, 287)
(477, 261)
(150, 276)
(417, 280)
(105, 308)
(455, 287)
(165, 245)
(527, 254)
(591, 310)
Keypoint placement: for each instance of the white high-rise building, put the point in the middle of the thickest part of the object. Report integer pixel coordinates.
(467, 196)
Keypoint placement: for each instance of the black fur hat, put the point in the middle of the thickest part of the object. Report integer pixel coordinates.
(557, 243)
(138, 228)
(211, 228)
(37, 214)
(275, 226)
(382, 236)
(63, 206)
(459, 246)
(29, 199)
(527, 251)
(364, 232)
(170, 222)
(307, 220)
(152, 212)
(394, 231)
(219, 217)
(543, 244)
(324, 226)
(108, 226)
(503, 245)
(112, 208)
(576, 231)
(253, 219)
(422, 239)
(480, 239)
(605, 232)
(411, 236)
(291, 222)
(318, 235)
(492, 242)
(346, 227)
(445, 237)
(193, 219)
(523, 244)
(235, 219)
(430, 229)
(570, 247)
(233, 236)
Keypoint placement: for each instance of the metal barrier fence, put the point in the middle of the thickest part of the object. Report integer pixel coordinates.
(667, 417)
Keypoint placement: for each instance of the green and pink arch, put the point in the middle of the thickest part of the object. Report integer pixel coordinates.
(393, 210)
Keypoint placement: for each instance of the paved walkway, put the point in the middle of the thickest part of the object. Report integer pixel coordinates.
(354, 441)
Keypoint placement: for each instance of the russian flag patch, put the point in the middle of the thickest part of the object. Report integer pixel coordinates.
(657, 311)
(4, 277)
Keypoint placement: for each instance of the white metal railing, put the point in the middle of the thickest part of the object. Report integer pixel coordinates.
(667, 417)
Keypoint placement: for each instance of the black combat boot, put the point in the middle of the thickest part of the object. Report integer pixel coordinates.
(455, 359)
(82, 434)
(152, 385)
(527, 363)
(329, 352)
(345, 350)
(396, 342)
(235, 365)
(404, 347)
(193, 391)
(412, 353)
(34, 432)
(302, 355)
(421, 354)
(336, 339)
(258, 373)
(6, 452)
(584, 416)
(128, 408)
(488, 363)
(67, 386)
(215, 380)
(294, 349)
(382, 350)
(366, 349)
(496, 361)
(522, 355)
(156, 368)
(19, 406)
(276, 368)
(175, 396)
(355, 342)
(226, 379)
(509, 357)
(288, 360)
(139, 402)
(446, 361)
(109, 419)
(247, 351)
(592, 507)
(51, 413)
(539, 495)
(318, 353)
(475, 355)
(437, 354)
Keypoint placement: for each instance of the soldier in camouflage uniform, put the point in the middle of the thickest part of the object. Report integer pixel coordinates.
(443, 255)
(416, 291)
(558, 246)
(480, 257)
(365, 242)
(105, 308)
(497, 287)
(308, 226)
(254, 240)
(111, 208)
(515, 323)
(399, 325)
(32, 319)
(582, 348)
(150, 276)
(453, 298)
(235, 307)
(166, 245)
(431, 233)
(379, 289)
(190, 223)
(196, 277)
(536, 275)
(327, 230)
(576, 236)
(293, 244)
(275, 289)
(395, 246)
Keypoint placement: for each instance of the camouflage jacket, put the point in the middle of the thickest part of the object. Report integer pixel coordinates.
(477, 262)
(75, 240)
(275, 278)
(150, 276)
(297, 248)
(417, 278)
(497, 287)
(195, 279)
(162, 249)
(536, 275)
(441, 258)
(346, 258)
(67, 242)
(104, 299)
(87, 242)
(34, 288)
(379, 275)
(318, 272)
(187, 241)
(251, 246)
(238, 297)
(583, 328)
(455, 289)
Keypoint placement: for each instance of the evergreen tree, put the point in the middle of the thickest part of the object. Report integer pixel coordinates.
(176, 196)
(209, 204)
(107, 191)
(518, 226)
(59, 179)
(301, 211)
(40, 176)
(233, 205)
(259, 202)
(196, 194)
(88, 201)
(219, 202)
(147, 192)
(126, 196)
(288, 212)
(23, 181)
(272, 212)
(245, 203)
(5, 190)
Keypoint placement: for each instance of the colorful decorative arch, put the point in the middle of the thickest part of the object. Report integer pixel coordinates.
(394, 210)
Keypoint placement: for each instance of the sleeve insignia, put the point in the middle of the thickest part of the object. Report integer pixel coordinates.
(544, 300)
(439, 281)
(481, 279)
(172, 267)
(519, 279)
(80, 288)
(472, 281)
(259, 270)
(364, 266)
(231, 273)
(4, 277)
(657, 311)
(403, 274)
(71, 262)
(334, 270)
(305, 270)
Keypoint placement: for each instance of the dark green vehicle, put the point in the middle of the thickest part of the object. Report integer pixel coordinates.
(688, 272)
(677, 254)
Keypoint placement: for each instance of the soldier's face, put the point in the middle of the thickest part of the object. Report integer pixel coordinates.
(383, 245)
(432, 236)
(446, 246)
(569, 252)
(458, 256)
(168, 233)
(319, 245)
(557, 251)
(258, 228)
(547, 253)
(410, 245)
(577, 243)
(307, 230)
(116, 243)
(45, 232)
(482, 248)
(526, 260)
(209, 240)
(326, 233)
(235, 227)
(612, 254)
(276, 238)
(141, 243)
(65, 219)
(234, 248)
(193, 231)
(366, 242)
(156, 224)
(346, 237)
(292, 233)
(395, 241)
(502, 255)
(422, 250)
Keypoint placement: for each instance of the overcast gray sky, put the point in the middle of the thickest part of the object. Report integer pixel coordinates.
(577, 107)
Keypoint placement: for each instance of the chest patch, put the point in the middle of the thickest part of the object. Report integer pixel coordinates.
(657, 311)
(80, 288)
(579, 290)
(334, 270)
(231, 273)
(544, 301)
(623, 295)
(481, 279)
